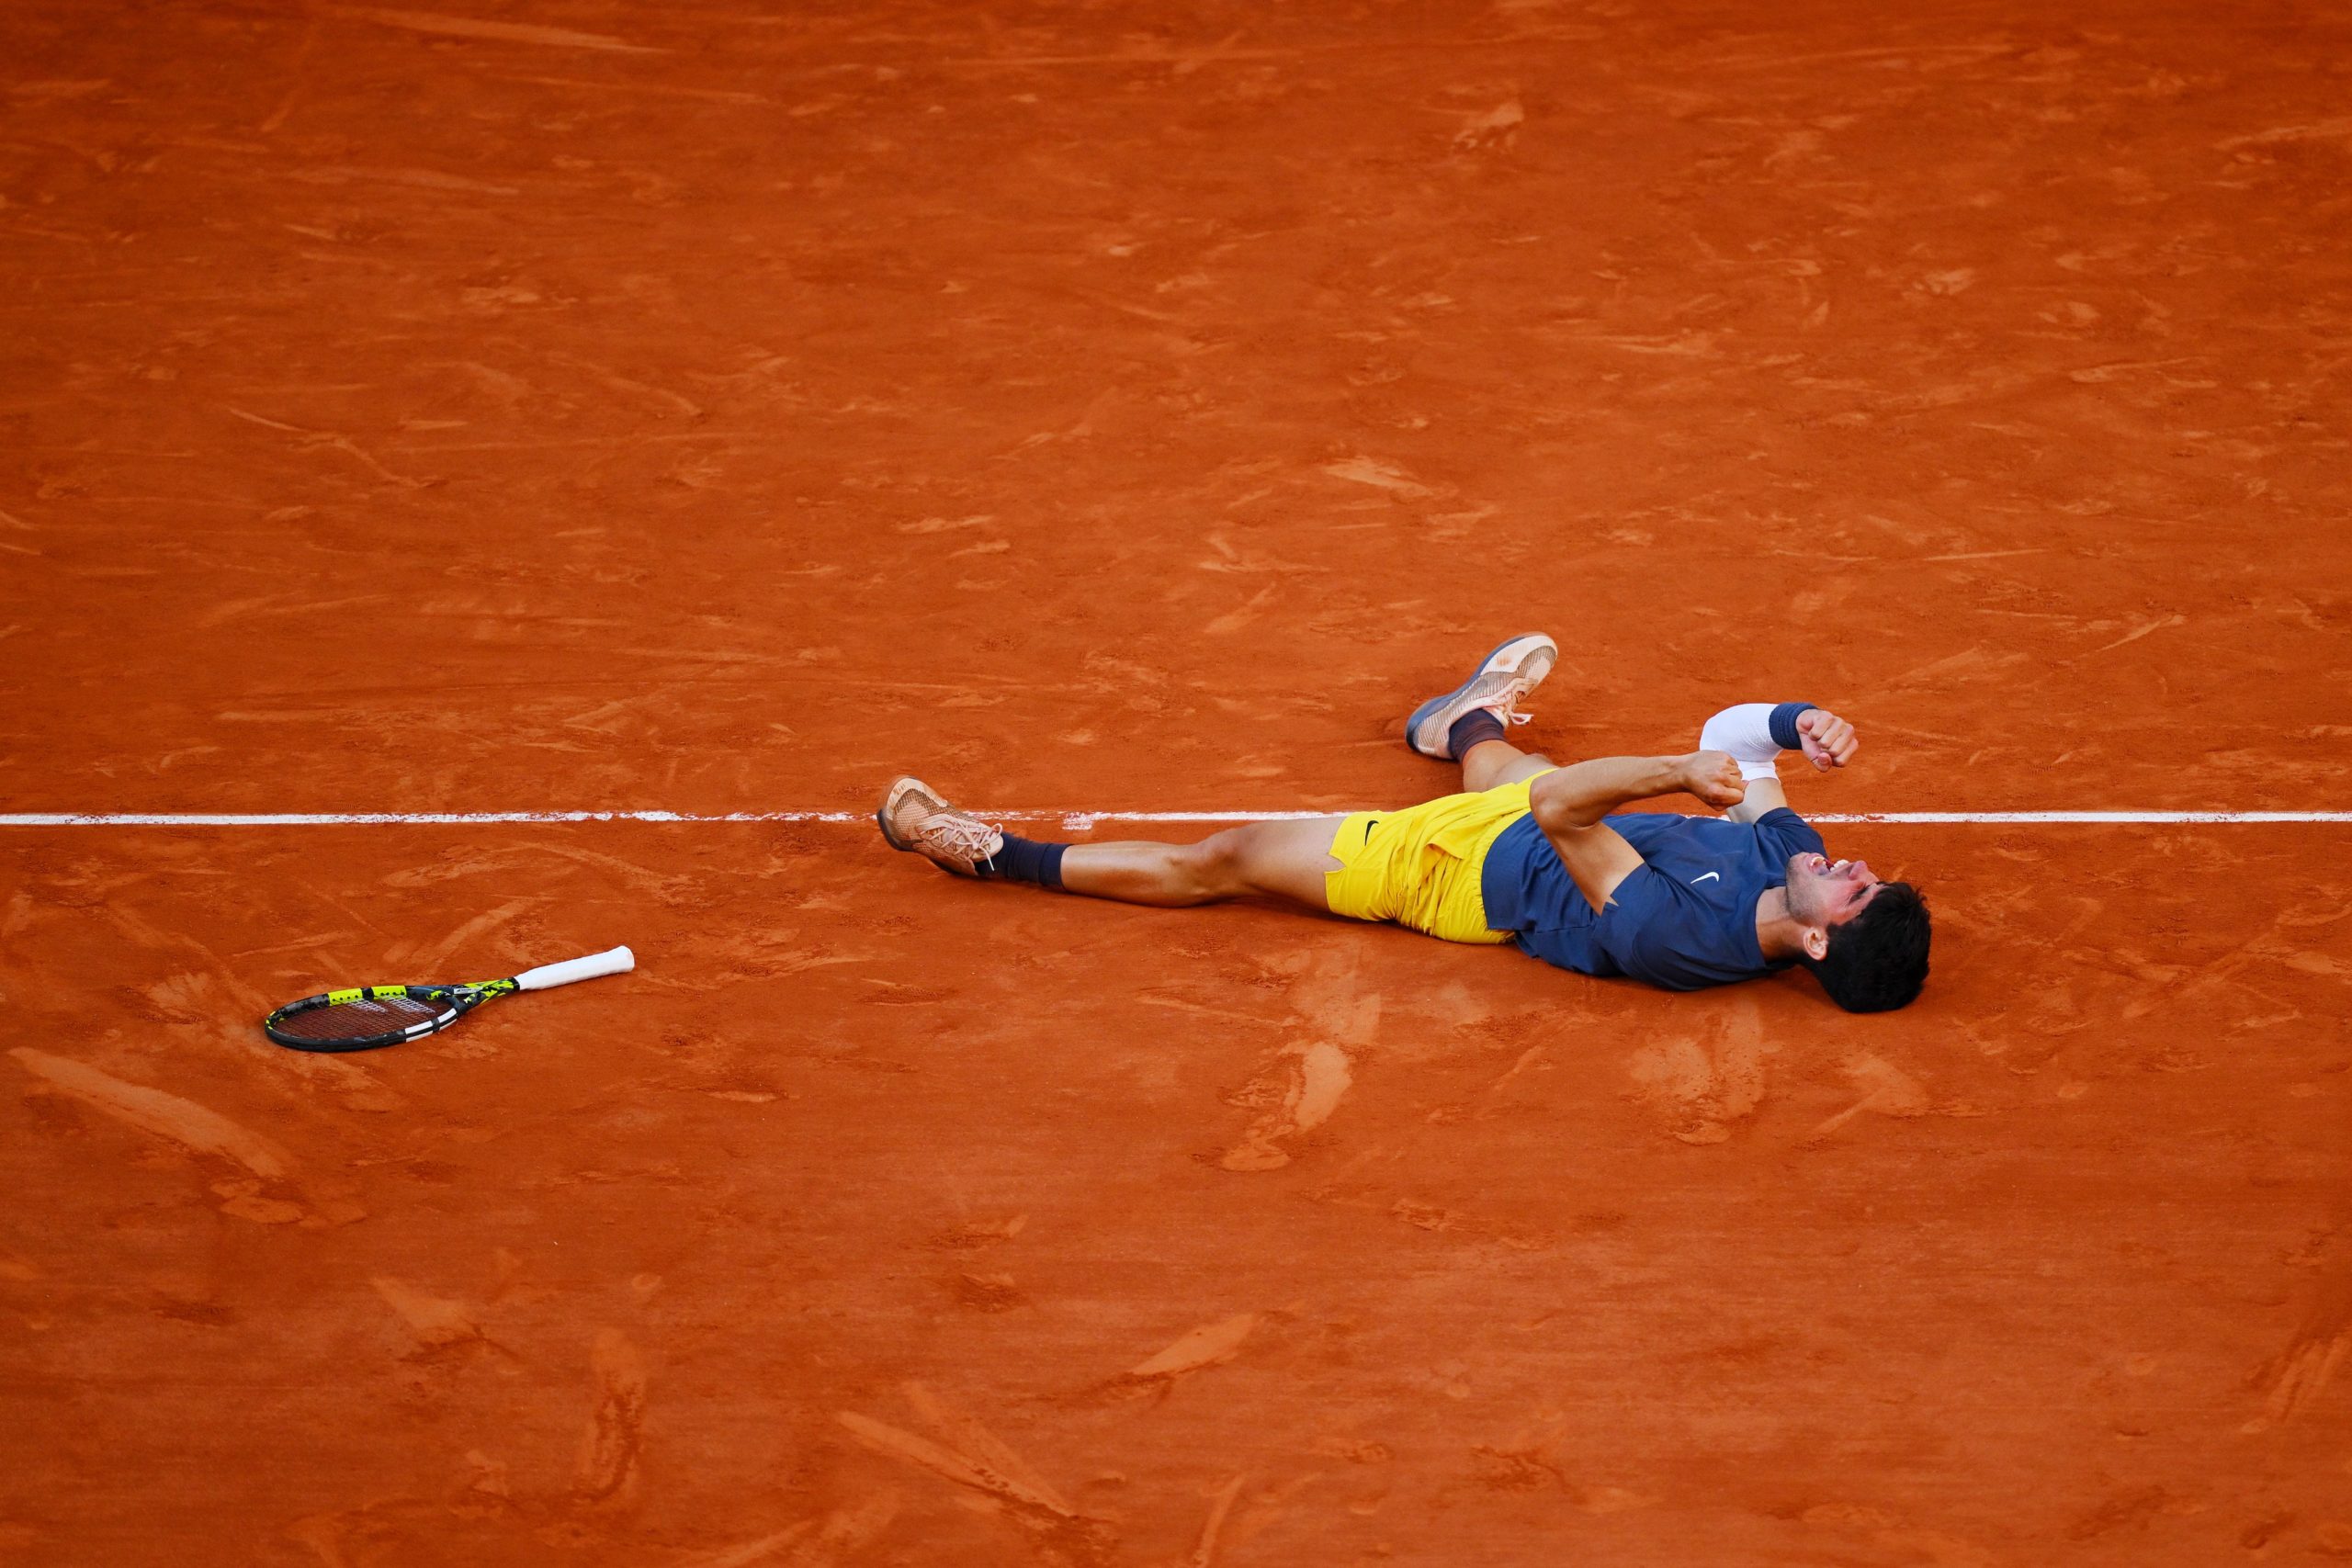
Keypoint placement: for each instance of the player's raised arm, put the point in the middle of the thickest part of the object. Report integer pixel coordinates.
(1569, 803)
(1755, 734)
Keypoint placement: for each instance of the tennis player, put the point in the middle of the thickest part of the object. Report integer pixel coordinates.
(1533, 855)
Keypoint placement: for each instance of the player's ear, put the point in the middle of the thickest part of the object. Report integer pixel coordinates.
(1816, 943)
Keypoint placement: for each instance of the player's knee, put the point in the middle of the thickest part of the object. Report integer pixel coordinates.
(1217, 867)
(1477, 775)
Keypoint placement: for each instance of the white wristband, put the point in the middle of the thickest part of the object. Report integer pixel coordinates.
(1744, 731)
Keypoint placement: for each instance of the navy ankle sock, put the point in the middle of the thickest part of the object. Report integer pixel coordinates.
(1026, 860)
(1477, 725)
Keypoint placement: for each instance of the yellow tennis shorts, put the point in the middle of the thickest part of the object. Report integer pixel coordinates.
(1422, 867)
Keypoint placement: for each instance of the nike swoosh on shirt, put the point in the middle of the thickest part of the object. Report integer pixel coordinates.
(1696, 880)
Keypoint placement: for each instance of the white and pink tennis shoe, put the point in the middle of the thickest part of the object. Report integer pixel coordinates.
(915, 818)
(1504, 677)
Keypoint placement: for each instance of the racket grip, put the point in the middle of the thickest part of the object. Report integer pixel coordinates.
(619, 961)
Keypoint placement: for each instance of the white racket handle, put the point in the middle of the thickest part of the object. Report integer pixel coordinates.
(619, 961)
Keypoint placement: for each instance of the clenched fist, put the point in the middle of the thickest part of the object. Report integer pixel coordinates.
(1713, 777)
(1828, 740)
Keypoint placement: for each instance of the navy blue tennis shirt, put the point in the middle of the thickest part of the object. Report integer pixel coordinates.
(1686, 920)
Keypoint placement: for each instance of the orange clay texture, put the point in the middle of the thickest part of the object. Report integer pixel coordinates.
(559, 404)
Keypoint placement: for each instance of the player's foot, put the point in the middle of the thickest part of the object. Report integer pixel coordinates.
(914, 817)
(1508, 673)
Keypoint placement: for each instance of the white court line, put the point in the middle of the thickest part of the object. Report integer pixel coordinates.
(1073, 819)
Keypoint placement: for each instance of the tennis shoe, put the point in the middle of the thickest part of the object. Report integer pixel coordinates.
(1506, 676)
(914, 819)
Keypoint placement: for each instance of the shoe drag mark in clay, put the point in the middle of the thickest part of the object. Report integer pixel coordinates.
(995, 1478)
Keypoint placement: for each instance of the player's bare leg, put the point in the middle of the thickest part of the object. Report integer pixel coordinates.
(1287, 860)
(1281, 860)
(1491, 764)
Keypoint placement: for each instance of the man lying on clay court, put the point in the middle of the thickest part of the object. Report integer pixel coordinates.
(1529, 853)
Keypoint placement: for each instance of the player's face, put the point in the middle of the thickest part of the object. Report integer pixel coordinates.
(1823, 892)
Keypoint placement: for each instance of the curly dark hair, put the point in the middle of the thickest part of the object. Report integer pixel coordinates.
(1878, 960)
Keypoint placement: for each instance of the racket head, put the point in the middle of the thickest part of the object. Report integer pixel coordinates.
(368, 1018)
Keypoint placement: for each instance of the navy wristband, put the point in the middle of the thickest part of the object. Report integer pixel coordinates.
(1783, 723)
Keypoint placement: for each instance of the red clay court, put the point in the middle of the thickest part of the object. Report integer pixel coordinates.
(1105, 409)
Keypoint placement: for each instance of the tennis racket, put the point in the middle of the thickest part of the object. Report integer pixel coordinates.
(366, 1017)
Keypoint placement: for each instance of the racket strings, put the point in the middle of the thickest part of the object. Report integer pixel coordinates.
(359, 1020)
